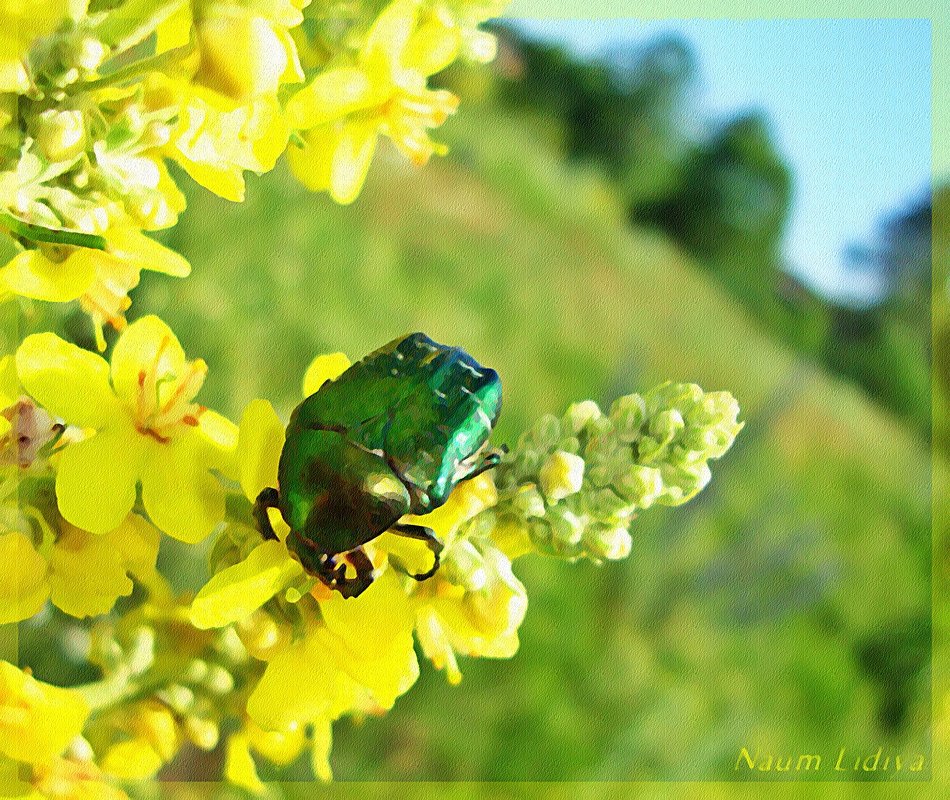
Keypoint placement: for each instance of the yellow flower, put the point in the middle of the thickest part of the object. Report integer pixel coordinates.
(37, 721)
(358, 657)
(214, 142)
(82, 573)
(483, 622)
(25, 21)
(88, 573)
(100, 279)
(148, 430)
(68, 779)
(23, 585)
(474, 604)
(345, 109)
(245, 53)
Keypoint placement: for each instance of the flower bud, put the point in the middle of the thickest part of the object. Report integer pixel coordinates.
(663, 428)
(628, 414)
(196, 671)
(528, 502)
(464, 566)
(641, 485)
(61, 135)
(218, 680)
(203, 733)
(578, 415)
(177, 696)
(154, 723)
(566, 526)
(546, 433)
(90, 53)
(261, 635)
(479, 46)
(561, 475)
(611, 543)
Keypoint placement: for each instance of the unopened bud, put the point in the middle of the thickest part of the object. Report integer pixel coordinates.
(610, 543)
(61, 135)
(561, 475)
(203, 733)
(641, 485)
(578, 415)
(156, 724)
(567, 527)
(628, 414)
(90, 53)
(218, 680)
(528, 502)
(464, 566)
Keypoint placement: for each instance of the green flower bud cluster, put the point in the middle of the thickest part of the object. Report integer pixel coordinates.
(162, 687)
(575, 483)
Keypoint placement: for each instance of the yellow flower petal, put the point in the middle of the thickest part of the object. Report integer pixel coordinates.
(324, 368)
(147, 345)
(68, 381)
(179, 492)
(128, 244)
(88, 575)
(351, 160)
(23, 588)
(133, 760)
(311, 163)
(268, 138)
(89, 572)
(369, 624)
(279, 747)
(175, 30)
(281, 698)
(224, 181)
(261, 440)
(389, 36)
(95, 483)
(138, 541)
(37, 721)
(433, 46)
(239, 767)
(322, 742)
(332, 95)
(386, 674)
(236, 592)
(32, 274)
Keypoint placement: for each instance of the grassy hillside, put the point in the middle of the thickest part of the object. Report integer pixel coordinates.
(786, 608)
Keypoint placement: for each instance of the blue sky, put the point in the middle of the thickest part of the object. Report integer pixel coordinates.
(849, 101)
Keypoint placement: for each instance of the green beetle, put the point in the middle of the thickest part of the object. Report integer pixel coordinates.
(391, 436)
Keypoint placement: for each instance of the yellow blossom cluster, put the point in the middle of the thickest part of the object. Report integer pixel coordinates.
(220, 88)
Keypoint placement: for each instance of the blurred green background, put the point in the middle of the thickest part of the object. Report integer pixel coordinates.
(577, 241)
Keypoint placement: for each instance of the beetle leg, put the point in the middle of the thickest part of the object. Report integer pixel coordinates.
(268, 498)
(492, 459)
(332, 573)
(426, 535)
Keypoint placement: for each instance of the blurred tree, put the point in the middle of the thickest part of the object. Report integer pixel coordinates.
(886, 345)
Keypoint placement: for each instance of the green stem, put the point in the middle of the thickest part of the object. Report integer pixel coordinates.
(38, 233)
(134, 70)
